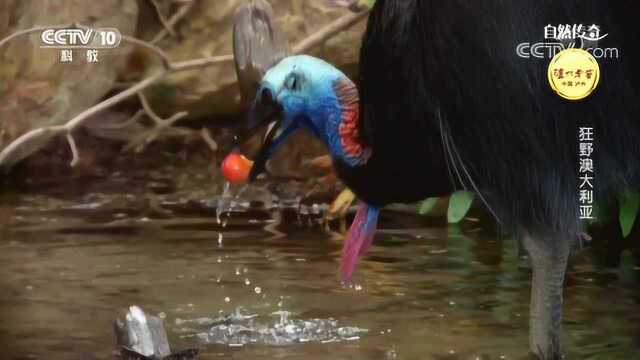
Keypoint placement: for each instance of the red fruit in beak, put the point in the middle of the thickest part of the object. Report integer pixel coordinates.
(235, 168)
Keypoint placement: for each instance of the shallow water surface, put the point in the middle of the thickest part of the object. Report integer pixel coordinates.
(424, 291)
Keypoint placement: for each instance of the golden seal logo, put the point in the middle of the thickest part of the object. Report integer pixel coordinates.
(574, 74)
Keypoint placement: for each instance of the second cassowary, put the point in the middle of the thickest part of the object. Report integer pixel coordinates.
(446, 103)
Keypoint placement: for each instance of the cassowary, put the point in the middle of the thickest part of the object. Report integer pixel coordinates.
(445, 103)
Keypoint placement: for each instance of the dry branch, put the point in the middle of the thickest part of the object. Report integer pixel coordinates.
(208, 139)
(162, 19)
(329, 31)
(75, 157)
(182, 12)
(139, 142)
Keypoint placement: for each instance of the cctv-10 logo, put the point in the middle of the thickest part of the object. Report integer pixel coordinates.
(103, 38)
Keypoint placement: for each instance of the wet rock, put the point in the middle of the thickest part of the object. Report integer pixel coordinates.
(143, 337)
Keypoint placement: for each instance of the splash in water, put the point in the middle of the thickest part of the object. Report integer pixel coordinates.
(239, 329)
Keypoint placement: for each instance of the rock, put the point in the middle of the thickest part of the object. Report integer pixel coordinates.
(141, 336)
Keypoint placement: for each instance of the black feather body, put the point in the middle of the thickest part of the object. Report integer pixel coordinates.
(447, 104)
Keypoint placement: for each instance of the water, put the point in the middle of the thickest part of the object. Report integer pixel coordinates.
(239, 329)
(424, 291)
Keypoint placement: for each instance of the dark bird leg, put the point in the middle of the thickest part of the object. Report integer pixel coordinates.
(549, 255)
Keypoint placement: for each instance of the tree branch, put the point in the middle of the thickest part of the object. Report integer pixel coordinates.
(162, 19)
(208, 139)
(74, 149)
(139, 142)
(182, 12)
(329, 31)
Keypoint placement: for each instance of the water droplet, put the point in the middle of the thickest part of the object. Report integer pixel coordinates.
(227, 299)
(247, 282)
(391, 355)
(162, 315)
(223, 203)
(257, 289)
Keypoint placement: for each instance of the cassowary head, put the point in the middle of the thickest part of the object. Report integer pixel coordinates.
(302, 92)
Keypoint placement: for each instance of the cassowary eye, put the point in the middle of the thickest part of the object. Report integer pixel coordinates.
(293, 82)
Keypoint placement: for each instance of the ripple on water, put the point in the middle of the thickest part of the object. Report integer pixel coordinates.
(241, 329)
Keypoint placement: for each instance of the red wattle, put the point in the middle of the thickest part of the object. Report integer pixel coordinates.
(358, 240)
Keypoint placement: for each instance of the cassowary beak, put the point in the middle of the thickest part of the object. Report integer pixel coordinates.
(260, 160)
(266, 110)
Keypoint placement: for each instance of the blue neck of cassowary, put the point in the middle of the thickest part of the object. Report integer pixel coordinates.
(337, 123)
